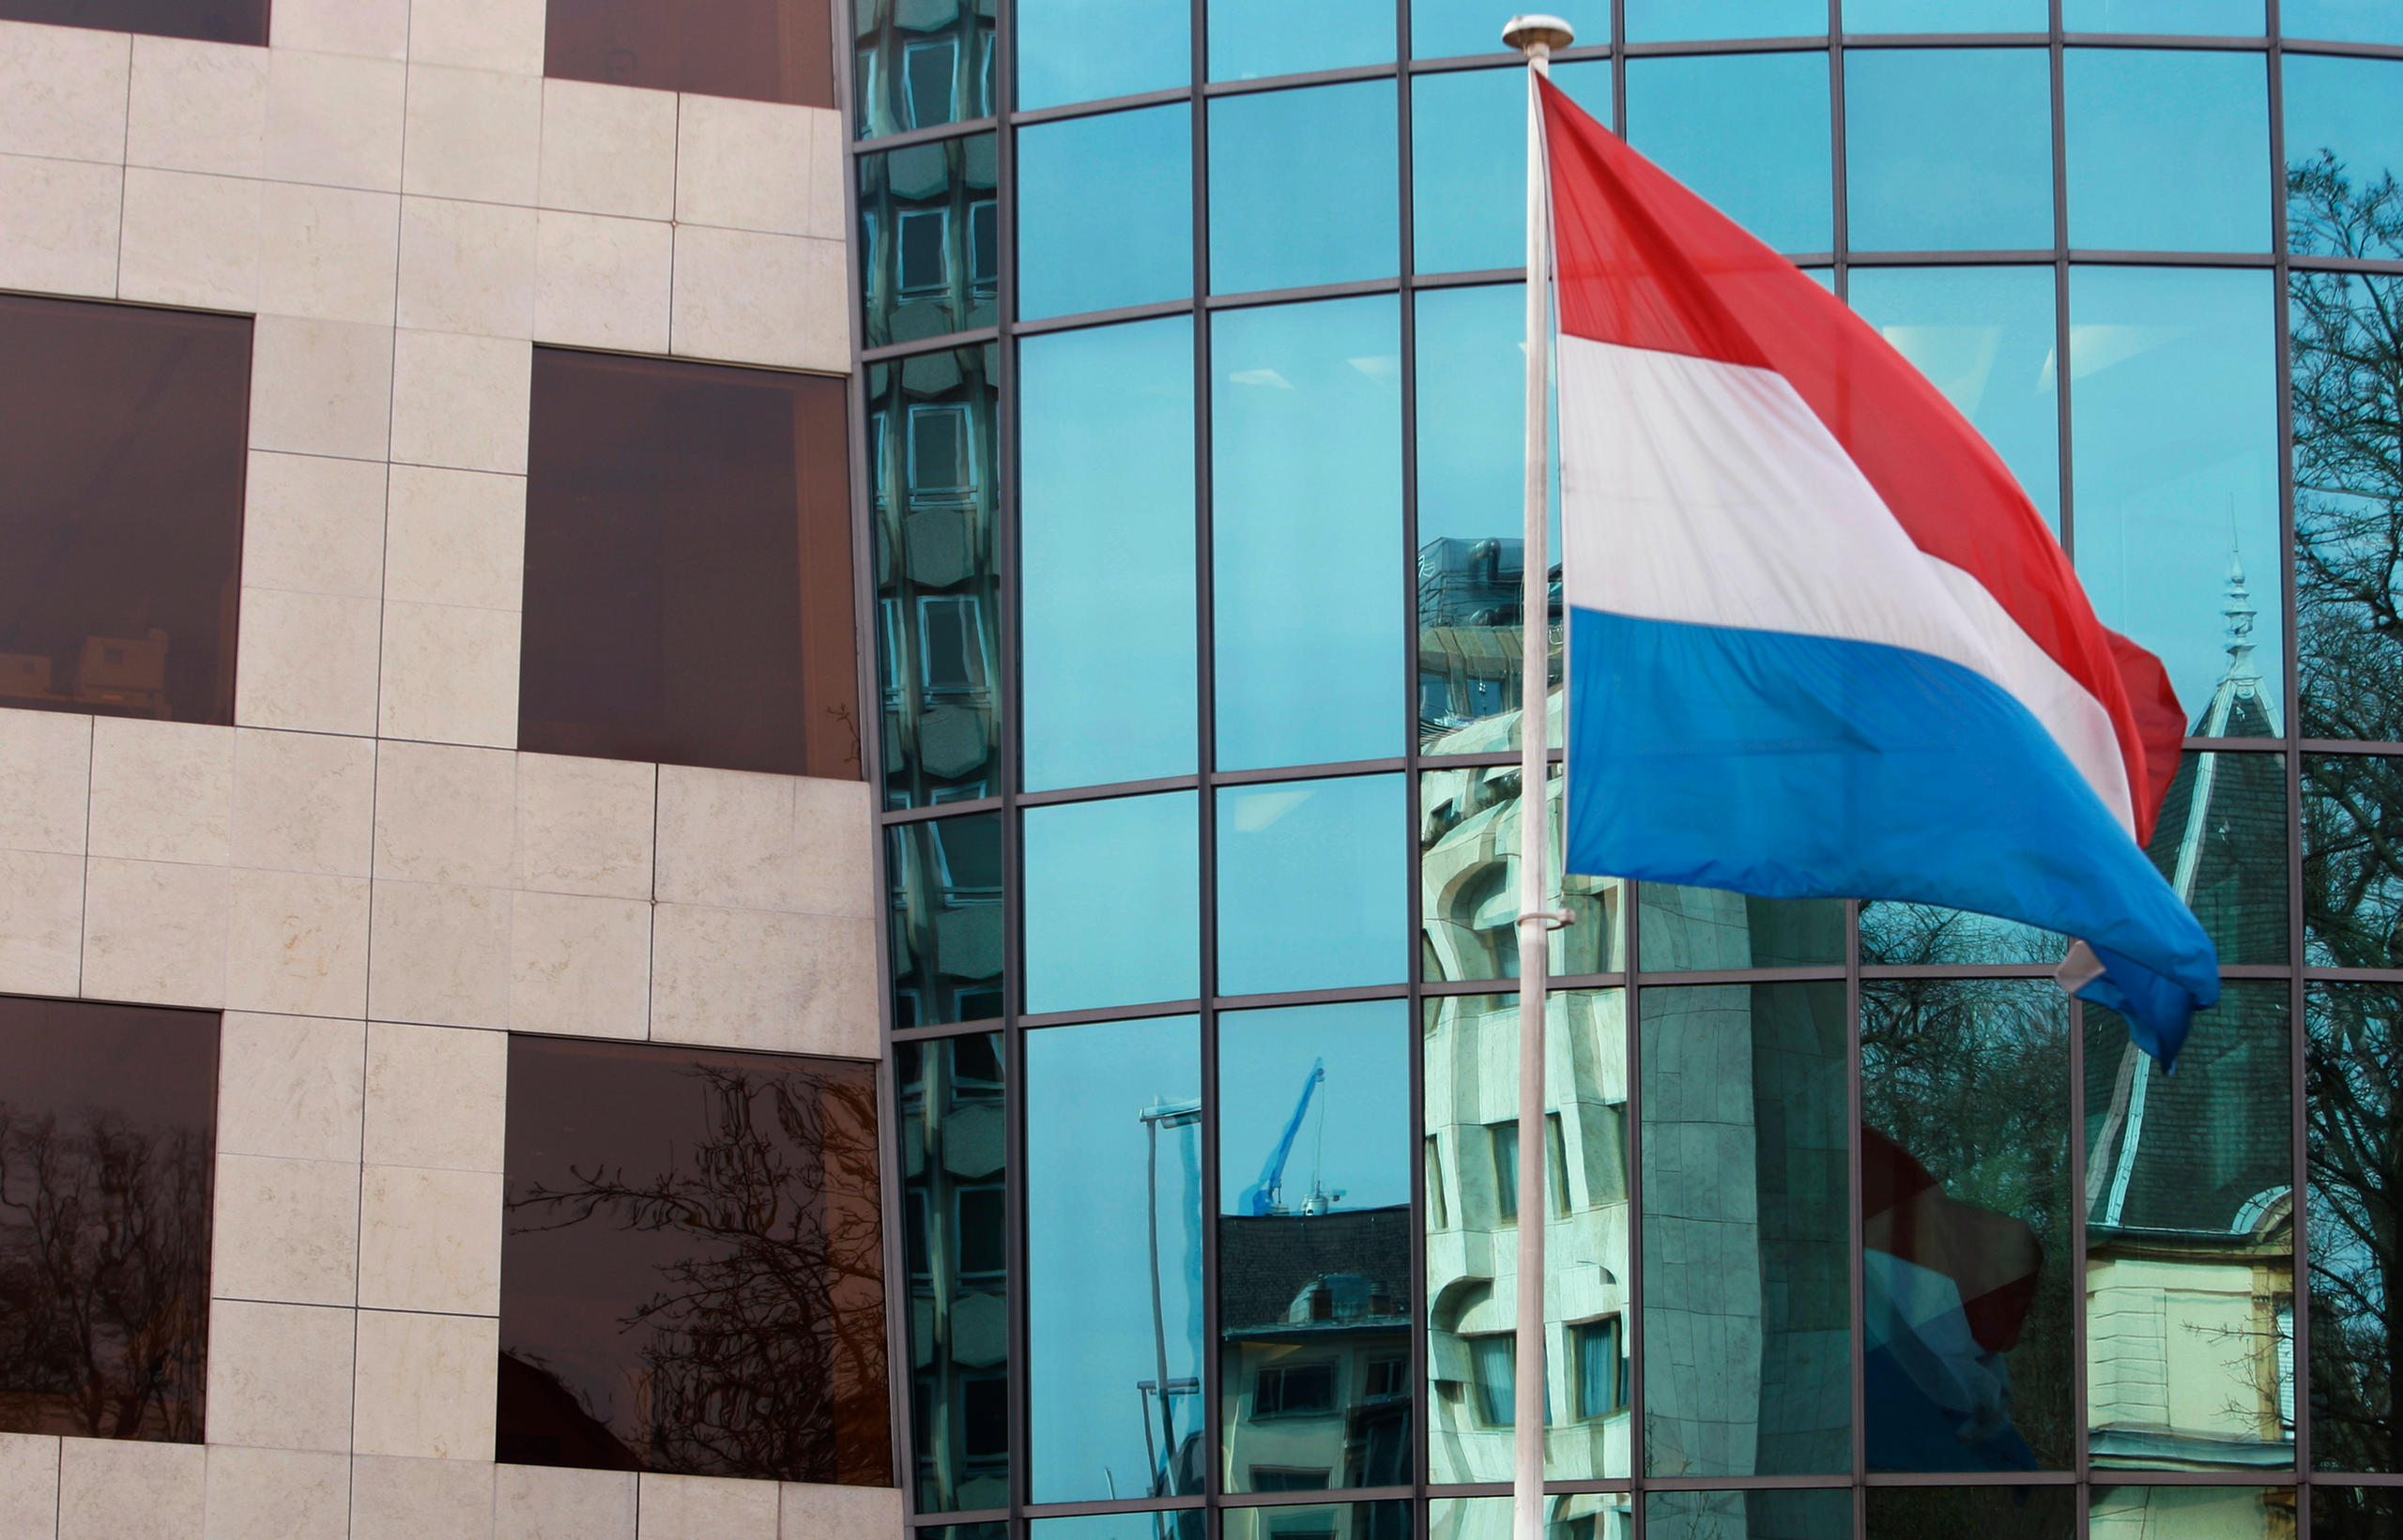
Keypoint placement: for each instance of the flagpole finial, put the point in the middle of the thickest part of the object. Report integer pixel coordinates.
(1534, 35)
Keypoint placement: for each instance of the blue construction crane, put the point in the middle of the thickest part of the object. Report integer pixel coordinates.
(1263, 1197)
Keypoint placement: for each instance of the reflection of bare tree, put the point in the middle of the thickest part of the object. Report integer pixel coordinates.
(103, 1276)
(763, 1351)
(2355, 1135)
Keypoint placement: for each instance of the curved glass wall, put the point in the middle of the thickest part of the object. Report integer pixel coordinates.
(1190, 365)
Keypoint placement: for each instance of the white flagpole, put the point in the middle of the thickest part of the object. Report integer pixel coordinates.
(1536, 37)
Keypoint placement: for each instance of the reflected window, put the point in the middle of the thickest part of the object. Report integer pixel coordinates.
(2168, 150)
(693, 1266)
(764, 50)
(1113, 901)
(2352, 1116)
(1948, 148)
(1092, 50)
(944, 880)
(1502, 1144)
(1468, 166)
(929, 240)
(1113, 1223)
(108, 1127)
(954, 1154)
(121, 511)
(1493, 1362)
(210, 20)
(931, 487)
(1600, 1352)
(1749, 132)
(1694, 20)
(1348, 182)
(1312, 885)
(1082, 248)
(1468, 869)
(1106, 554)
(688, 594)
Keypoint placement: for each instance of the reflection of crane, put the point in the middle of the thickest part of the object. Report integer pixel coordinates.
(1266, 1195)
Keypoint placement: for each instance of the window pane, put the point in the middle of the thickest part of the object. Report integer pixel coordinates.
(2350, 1113)
(1468, 138)
(1348, 181)
(1471, 483)
(2190, 1240)
(1314, 1315)
(1469, 1054)
(1603, 1515)
(944, 877)
(2221, 843)
(1113, 901)
(1965, 1217)
(121, 510)
(2164, 18)
(1747, 131)
(932, 479)
(2344, 136)
(953, 1169)
(1748, 1516)
(2356, 1513)
(688, 587)
(1347, 1521)
(1311, 885)
(1874, 16)
(2352, 887)
(1746, 1244)
(704, 1225)
(1251, 39)
(1687, 21)
(1984, 336)
(1173, 1524)
(1990, 1512)
(1113, 1240)
(912, 71)
(1105, 553)
(764, 50)
(2239, 1513)
(1468, 873)
(1306, 538)
(2341, 20)
(2173, 410)
(1688, 930)
(215, 20)
(108, 1127)
(2167, 150)
(1444, 29)
(926, 228)
(1895, 934)
(1092, 50)
(2346, 344)
(1080, 248)
(1948, 148)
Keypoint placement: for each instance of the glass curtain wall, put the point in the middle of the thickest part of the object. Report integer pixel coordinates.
(1190, 381)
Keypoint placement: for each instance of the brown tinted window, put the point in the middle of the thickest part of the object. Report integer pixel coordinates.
(121, 455)
(691, 1278)
(688, 567)
(219, 20)
(107, 1132)
(766, 49)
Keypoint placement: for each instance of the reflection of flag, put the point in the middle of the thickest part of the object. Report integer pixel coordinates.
(1947, 1287)
(1821, 644)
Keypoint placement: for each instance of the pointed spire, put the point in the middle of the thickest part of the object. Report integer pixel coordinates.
(2239, 613)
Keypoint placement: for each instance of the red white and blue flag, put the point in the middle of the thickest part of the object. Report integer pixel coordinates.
(1820, 642)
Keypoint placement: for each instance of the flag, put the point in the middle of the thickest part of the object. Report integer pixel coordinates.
(1820, 643)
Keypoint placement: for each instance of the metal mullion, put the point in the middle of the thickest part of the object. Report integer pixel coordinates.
(1339, 770)
(2308, 261)
(899, 816)
(1698, 47)
(1975, 1478)
(1143, 1012)
(1167, 96)
(1309, 996)
(1110, 793)
(1959, 970)
(973, 337)
(965, 129)
(1470, 280)
(1348, 75)
(1838, 187)
(1468, 988)
(1117, 1506)
(2111, 258)
(2029, 257)
(1455, 63)
(1946, 39)
(1257, 297)
(2336, 50)
(2339, 745)
(1317, 1497)
(1205, 757)
(947, 1029)
(2167, 41)
(1083, 320)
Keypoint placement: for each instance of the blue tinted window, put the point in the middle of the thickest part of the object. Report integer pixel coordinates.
(2164, 18)
(1105, 211)
(2174, 441)
(1112, 903)
(1345, 1069)
(1985, 335)
(2342, 21)
(2167, 151)
(1307, 532)
(1444, 29)
(1468, 136)
(1747, 131)
(1948, 149)
(1106, 557)
(1870, 16)
(1688, 20)
(1250, 39)
(1089, 50)
(1312, 885)
(1113, 1210)
(1280, 219)
(2344, 119)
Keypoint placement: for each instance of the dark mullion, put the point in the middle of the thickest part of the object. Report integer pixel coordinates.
(1017, 1240)
(975, 337)
(1205, 760)
(962, 130)
(1108, 104)
(896, 816)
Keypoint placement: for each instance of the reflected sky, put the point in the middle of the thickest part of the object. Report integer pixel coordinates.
(1080, 250)
(1348, 182)
(1689, 21)
(1106, 554)
(2167, 151)
(1472, 414)
(2165, 18)
(2353, 108)
(1312, 885)
(1089, 1257)
(1948, 149)
(1442, 29)
(1113, 902)
(1468, 139)
(2342, 21)
(1250, 39)
(2173, 407)
(1861, 16)
(1747, 131)
(1356, 1137)
(1985, 337)
(1088, 50)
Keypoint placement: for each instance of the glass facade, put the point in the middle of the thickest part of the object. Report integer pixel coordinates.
(1206, 857)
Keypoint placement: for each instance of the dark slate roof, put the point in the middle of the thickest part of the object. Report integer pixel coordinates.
(1264, 1262)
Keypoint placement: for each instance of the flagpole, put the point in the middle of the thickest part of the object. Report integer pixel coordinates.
(1536, 37)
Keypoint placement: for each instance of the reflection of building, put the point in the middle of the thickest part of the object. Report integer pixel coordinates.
(1468, 835)
(1469, 636)
(954, 1239)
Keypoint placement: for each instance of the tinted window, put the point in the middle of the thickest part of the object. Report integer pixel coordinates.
(121, 508)
(107, 1140)
(688, 549)
(952, 1166)
(766, 49)
(703, 1225)
(218, 20)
